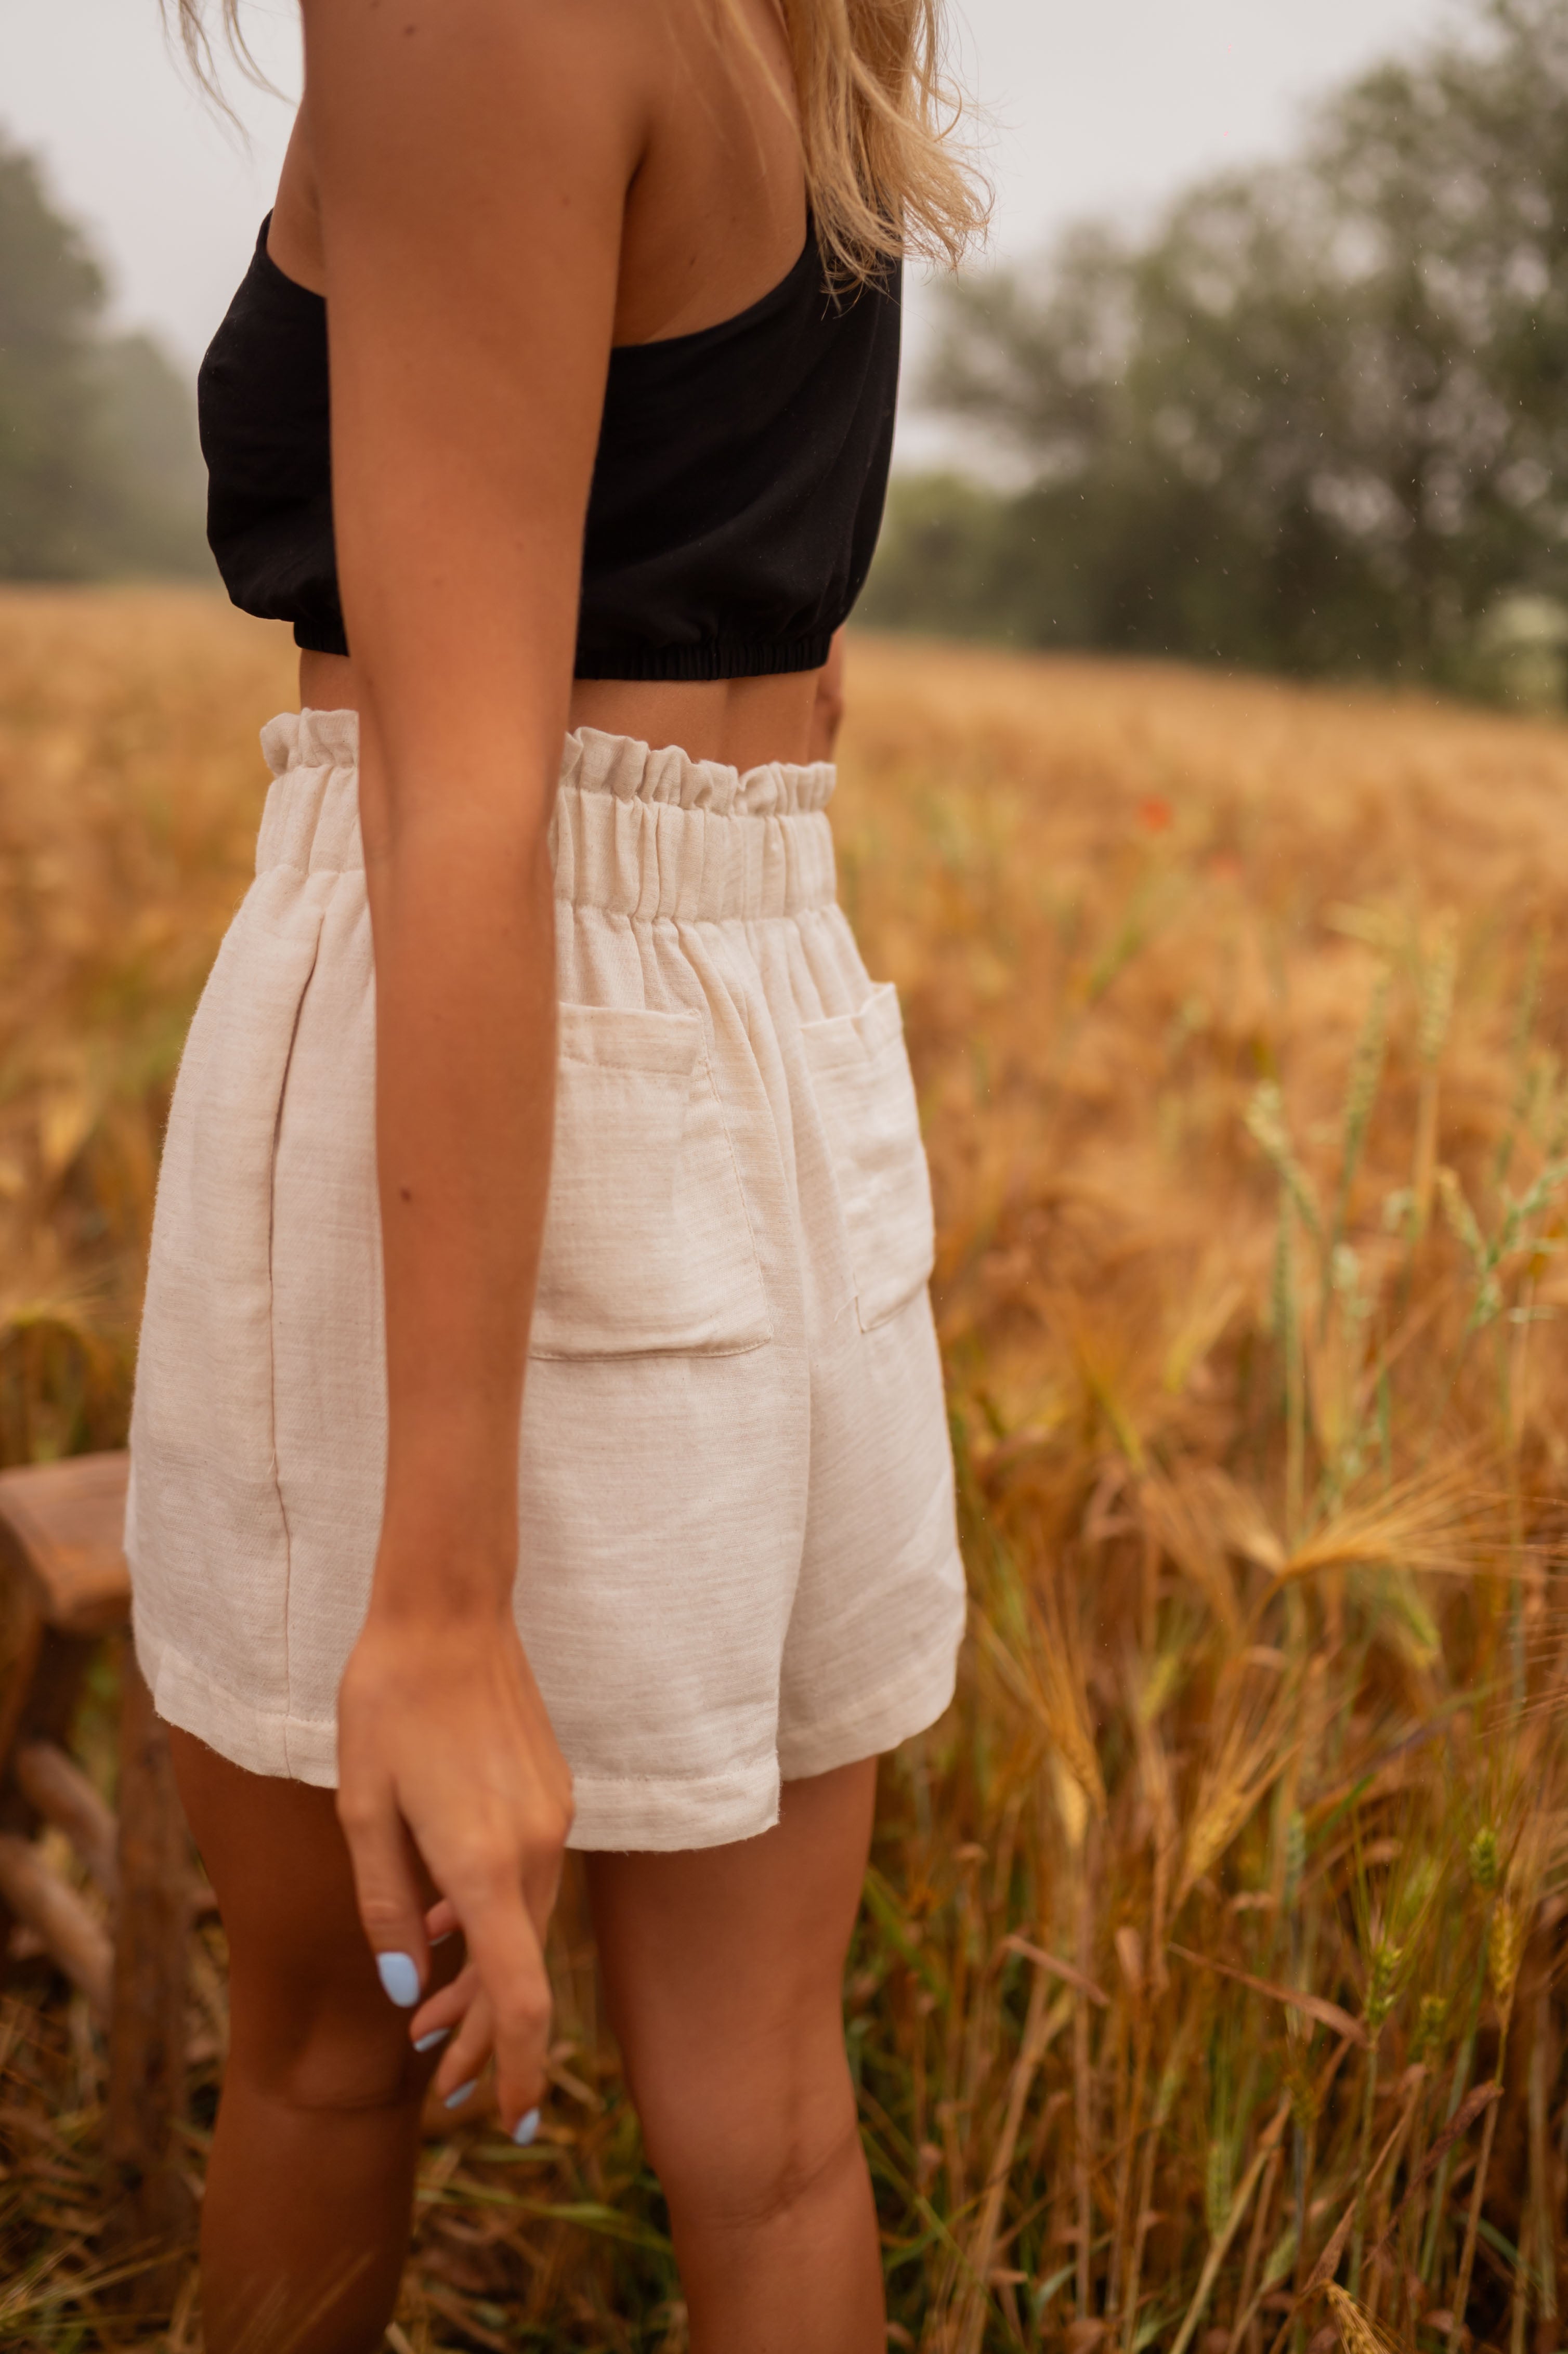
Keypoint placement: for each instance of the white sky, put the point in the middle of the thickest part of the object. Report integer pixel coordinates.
(1095, 106)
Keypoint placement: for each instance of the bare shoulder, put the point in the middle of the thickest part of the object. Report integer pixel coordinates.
(560, 81)
(656, 128)
(529, 87)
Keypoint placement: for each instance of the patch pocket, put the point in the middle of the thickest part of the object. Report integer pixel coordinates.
(647, 1248)
(860, 1071)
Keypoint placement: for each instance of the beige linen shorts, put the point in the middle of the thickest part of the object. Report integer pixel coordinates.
(738, 1558)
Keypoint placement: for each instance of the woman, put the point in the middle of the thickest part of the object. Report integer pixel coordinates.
(615, 1103)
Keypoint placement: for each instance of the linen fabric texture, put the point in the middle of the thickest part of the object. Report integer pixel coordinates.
(738, 1559)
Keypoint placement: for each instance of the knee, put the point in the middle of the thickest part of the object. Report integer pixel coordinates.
(742, 2157)
(320, 2056)
(334, 2072)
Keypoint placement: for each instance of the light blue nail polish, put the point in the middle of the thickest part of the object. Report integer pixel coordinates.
(455, 2100)
(523, 2131)
(429, 2042)
(445, 1938)
(400, 1978)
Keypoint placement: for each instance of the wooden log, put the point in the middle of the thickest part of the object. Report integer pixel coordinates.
(154, 2210)
(63, 1582)
(21, 1640)
(61, 1528)
(76, 1941)
(62, 1794)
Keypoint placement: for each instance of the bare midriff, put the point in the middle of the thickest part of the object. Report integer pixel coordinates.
(742, 722)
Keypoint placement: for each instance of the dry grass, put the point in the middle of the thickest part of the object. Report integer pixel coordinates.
(1201, 1933)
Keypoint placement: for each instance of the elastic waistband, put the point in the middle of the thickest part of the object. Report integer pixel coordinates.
(643, 833)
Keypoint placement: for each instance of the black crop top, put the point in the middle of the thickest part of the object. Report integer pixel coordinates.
(736, 493)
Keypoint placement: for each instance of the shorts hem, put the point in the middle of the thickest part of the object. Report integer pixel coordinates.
(625, 1813)
(668, 1815)
(894, 1714)
(657, 1814)
(262, 1741)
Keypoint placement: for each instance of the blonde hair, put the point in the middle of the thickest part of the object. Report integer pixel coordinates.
(876, 113)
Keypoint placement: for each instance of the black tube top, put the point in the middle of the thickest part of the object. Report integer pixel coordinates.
(736, 493)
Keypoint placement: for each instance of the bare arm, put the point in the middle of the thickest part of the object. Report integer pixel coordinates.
(472, 158)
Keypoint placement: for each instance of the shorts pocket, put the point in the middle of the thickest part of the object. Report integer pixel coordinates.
(866, 1094)
(647, 1248)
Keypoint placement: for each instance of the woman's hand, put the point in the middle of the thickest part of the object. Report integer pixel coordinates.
(444, 1747)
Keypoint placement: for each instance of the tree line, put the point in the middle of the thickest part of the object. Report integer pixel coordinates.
(99, 470)
(1315, 421)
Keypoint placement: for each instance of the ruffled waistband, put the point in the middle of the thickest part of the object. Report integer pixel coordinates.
(645, 833)
(594, 763)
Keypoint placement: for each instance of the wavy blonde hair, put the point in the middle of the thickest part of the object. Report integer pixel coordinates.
(874, 105)
(877, 111)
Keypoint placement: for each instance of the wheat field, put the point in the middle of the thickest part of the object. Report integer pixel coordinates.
(1209, 1993)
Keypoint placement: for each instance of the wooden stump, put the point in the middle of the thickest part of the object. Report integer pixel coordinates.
(156, 2208)
(63, 1588)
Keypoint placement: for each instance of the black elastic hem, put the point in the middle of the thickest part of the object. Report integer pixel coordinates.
(717, 658)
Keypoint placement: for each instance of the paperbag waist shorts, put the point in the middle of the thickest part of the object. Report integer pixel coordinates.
(738, 1559)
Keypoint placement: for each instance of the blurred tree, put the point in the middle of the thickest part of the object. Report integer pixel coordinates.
(158, 519)
(99, 470)
(1316, 421)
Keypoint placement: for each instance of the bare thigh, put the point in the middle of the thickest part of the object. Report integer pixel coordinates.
(308, 2017)
(723, 1971)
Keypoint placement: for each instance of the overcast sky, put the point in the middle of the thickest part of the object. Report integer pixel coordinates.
(1095, 106)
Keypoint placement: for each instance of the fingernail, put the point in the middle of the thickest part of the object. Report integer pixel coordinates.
(445, 1938)
(455, 2100)
(400, 1978)
(429, 2042)
(523, 2131)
